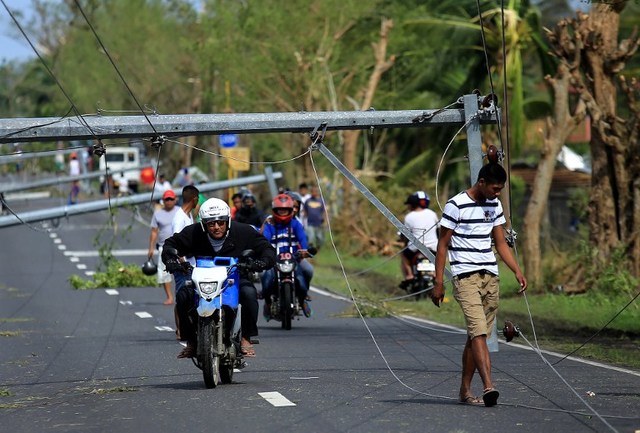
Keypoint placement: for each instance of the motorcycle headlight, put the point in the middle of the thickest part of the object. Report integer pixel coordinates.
(208, 288)
(286, 266)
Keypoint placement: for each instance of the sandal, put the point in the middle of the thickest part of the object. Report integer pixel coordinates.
(471, 400)
(248, 351)
(188, 352)
(490, 397)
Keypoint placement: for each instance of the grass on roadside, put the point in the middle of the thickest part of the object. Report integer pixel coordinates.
(563, 323)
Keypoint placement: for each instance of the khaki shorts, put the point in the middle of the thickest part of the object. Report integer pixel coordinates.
(163, 275)
(478, 296)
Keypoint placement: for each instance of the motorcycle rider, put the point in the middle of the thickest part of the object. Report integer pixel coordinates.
(307, 267)
(423, 223)
(286, 234)
(215, 236)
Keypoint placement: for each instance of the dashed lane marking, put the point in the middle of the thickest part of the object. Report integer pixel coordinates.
(143, 314)
(112, 292)
(81, 266)
(165, 328)
(126, 302)
(276, 399)
(62, 247)
(74, 259)
(57, 241)
(89, 273)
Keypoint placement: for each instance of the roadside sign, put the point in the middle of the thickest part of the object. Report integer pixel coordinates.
(228, 140)
(237, 158)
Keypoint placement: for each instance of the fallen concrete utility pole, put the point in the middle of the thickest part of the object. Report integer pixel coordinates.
(13, 187)
(49, 129)
(130, 200)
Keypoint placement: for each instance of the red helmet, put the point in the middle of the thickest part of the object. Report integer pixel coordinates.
(282, 201)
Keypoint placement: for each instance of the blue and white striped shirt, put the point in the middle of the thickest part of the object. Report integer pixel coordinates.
(472, 223)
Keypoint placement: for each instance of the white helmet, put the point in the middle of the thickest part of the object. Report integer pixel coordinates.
(214, 209)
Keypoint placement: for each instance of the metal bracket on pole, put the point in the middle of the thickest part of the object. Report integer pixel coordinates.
(374, 200)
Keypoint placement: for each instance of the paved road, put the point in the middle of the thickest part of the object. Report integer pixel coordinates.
(95, 361)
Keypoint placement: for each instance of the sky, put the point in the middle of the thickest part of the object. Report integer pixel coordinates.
(13, 46)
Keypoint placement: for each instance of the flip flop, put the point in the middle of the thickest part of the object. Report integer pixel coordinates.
(248, 351)
(187, 352)
(490, 397)
(471, 401)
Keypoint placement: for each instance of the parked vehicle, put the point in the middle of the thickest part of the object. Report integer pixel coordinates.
(122, 163)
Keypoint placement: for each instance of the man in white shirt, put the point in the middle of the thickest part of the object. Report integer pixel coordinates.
(161, 229)
(423, 223)
(182, 219)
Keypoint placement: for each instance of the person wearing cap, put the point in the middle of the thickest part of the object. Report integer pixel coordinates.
(160, 230)
(423, 223)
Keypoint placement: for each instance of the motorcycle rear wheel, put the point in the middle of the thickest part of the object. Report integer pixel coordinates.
(285, 305)
(207, 340)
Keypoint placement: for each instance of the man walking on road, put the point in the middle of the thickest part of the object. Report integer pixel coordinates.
(469, 221)
(160, 231)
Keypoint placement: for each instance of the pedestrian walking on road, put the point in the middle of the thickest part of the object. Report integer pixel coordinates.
(160, 230)
(469, 221)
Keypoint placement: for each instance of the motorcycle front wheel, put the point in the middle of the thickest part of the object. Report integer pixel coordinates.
(286, 311)
(207, 342)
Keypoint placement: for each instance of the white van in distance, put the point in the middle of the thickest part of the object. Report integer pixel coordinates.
(119, 159)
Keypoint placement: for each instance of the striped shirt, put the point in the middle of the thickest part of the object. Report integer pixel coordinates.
(472, 223)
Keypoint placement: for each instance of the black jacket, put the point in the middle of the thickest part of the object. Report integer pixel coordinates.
(251, 215)
(193, 241)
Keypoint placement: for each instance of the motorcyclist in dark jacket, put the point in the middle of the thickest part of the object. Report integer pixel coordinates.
(214, 236)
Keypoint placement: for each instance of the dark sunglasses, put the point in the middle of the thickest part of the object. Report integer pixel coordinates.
(169, 199)
(213, 223)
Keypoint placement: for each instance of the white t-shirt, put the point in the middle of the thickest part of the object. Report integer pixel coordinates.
(74, 167)
(180, 221)
(423, 224)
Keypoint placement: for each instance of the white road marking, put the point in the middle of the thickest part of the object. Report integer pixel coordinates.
(112, 292)
(57, 241)
(143, 314)
(74, 259)
(304, 378)
(53, 235)
(126, 302)
(93, 253)
(276, 399)
(89, 273)
(165, 328)
(62, 247)
(81, 266)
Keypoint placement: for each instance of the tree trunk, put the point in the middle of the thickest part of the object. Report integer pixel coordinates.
(613, 205)
(381, 66)
(559, 126)
(612, 220)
